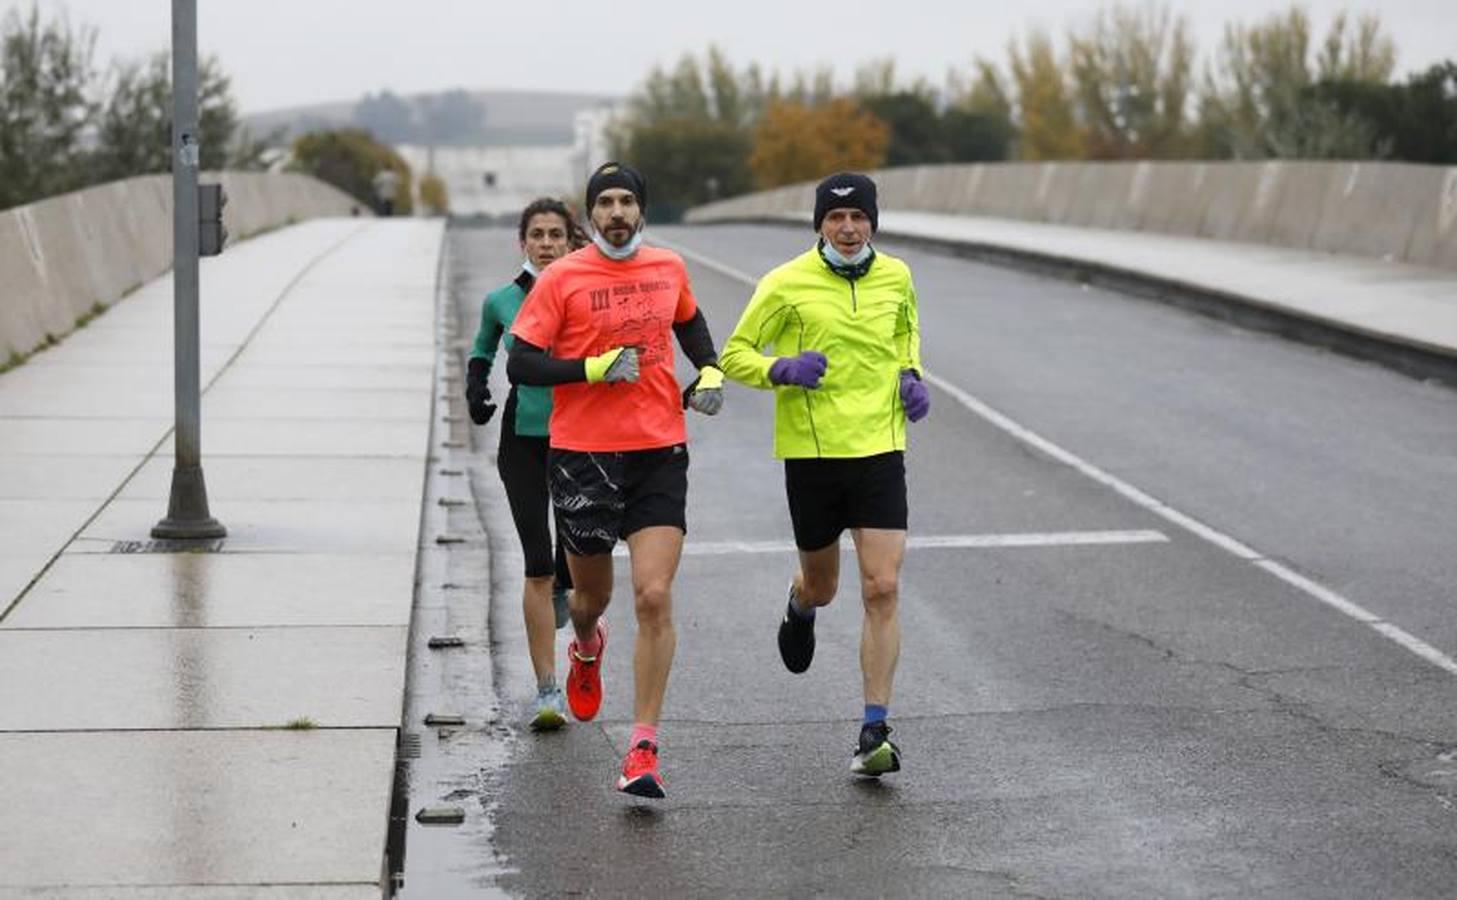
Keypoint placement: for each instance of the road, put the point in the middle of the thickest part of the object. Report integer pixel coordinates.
(1177, 623)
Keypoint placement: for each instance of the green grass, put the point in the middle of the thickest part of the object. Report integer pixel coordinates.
(303, 723)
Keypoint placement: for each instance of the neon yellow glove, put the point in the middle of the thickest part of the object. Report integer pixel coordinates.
(705, 394)
(617, 364)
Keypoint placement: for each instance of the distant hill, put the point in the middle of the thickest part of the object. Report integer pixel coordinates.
(449, 118)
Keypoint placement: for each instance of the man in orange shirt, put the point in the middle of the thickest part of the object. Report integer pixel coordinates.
(599, 325)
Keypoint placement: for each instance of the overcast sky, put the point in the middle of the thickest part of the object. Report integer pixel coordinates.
(292, 52)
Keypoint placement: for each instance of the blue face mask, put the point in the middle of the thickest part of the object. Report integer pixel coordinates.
(617, 253)
(839, 260)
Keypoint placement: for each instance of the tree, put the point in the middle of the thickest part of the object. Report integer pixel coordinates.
(433, 194)
(978, 123)
(349, 159)
(797, 142)
(46, 77)
(1414, 122)
(134, 126)
(917, 134)
(691, 161)
(1048, 125)
(387, 117)
(1132, 71)
(454, 117)
(1258, 103)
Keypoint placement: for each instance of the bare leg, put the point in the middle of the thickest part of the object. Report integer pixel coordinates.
(655, 552)
(818, 577)
(540, 626)
(880, 552)
(592, 591)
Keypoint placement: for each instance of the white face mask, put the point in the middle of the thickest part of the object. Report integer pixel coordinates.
(530, 268)
(618, 253)
(839, 259)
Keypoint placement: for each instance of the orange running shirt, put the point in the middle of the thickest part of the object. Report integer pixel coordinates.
(585, 304)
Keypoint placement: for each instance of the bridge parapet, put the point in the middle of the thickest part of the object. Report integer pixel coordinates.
(1399, 211)
(62, 257)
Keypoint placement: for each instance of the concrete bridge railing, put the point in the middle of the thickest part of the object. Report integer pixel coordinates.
(1396, 211)
(63, 257)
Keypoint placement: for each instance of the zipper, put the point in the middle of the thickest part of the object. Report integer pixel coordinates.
(854, 299)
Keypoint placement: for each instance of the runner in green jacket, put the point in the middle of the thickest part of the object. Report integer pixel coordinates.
(547, 233)
(841, 323)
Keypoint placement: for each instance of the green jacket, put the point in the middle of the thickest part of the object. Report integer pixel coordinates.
(498, 311)
(869, 331)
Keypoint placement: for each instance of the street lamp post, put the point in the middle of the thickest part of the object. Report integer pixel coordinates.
(187, 512)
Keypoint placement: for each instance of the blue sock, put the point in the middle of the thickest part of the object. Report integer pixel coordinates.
(804, 611)
(874, 712)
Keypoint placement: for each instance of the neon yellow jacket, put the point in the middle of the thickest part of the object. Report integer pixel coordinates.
(869, 331)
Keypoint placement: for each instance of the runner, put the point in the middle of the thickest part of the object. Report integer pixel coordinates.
(843, 320)
(599, 326)
(546, 233)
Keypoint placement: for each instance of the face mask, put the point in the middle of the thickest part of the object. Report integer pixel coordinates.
(617, 253)
(531, 269)
(836, 259)
(847, 267)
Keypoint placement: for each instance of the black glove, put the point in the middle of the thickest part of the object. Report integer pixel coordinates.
(477, 393)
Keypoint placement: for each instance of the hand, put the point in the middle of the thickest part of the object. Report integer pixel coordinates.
(705, 394)
(804, 370)
(617, 364)
(914, 395)
(478, 402)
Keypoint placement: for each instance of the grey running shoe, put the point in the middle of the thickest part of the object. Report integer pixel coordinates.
(796, 639)
(876, 755)
(551, 710)
(559, 605)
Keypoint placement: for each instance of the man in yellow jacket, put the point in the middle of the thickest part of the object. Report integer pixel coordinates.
(840, 326)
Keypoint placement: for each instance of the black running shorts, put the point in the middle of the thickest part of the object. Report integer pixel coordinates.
(826, 496)
(601, 497)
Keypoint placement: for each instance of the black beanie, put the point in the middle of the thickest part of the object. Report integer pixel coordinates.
(616, 175)
(846, 190)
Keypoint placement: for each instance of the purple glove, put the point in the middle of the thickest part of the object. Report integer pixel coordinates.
(914, 396)
(804, 370)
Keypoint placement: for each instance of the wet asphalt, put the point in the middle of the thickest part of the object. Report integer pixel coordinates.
(1134, 718)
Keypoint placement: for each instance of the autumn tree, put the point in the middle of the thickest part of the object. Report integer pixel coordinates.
(1048, 126)
(797, 142)
(1132, 74)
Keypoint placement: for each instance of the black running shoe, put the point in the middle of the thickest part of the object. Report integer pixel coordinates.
(796, 639)
(876, 755)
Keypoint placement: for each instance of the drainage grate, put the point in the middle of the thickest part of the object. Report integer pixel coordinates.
(168, 545)
(409, 745)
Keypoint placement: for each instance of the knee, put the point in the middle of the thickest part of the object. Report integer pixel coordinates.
(818, 591)
(654, 603)
(880, 594)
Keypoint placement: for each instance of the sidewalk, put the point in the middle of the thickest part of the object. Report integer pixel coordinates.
(1403, 314)
(219, 723)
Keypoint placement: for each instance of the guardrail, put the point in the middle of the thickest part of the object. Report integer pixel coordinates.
(1397, 211)
(64, 258)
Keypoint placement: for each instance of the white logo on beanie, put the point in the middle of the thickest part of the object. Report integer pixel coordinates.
(843, 192)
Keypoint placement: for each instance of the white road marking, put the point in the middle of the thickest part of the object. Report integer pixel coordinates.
(936, 542)
(1213, 535)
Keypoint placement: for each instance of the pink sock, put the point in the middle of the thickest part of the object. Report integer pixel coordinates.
(590, 648)
(642, 731)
